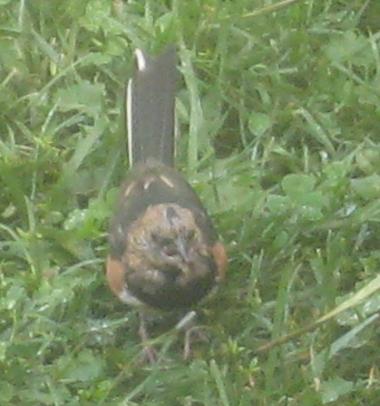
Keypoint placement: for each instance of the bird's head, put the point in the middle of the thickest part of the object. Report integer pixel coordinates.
(167, 259)
(167, 238)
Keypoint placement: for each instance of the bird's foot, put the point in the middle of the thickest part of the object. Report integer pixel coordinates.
(193, 334)
(149, 353)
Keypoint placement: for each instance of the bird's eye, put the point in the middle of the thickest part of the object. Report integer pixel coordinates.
(189, 235)
(155, 236)
(165, 244)
(159, 239)
(170, 250)
(168, 246)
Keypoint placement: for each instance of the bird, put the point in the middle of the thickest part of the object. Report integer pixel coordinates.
(165, 254)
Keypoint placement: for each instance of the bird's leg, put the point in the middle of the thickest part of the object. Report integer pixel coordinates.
(150, 354)
(190, 329)
(198, 333)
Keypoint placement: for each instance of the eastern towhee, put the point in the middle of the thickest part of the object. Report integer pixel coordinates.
(164, 250)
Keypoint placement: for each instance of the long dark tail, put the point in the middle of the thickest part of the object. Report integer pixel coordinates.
(150, 108)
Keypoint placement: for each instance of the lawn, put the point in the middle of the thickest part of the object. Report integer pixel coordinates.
(278, 109)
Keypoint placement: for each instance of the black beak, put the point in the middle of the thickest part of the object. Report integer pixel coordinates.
(183, 249)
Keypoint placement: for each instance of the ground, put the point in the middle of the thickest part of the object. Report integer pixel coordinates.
(278, 110)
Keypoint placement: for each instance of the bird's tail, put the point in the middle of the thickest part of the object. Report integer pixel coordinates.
(150, 106)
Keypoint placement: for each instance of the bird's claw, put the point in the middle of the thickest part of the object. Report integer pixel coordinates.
(196, 332)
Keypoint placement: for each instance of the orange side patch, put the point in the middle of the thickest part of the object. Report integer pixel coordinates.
(220, 257)
(115, 275)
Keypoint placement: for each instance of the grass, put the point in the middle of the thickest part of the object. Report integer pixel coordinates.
(279, 116)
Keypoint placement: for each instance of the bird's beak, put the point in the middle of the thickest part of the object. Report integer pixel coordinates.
(182, 249)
